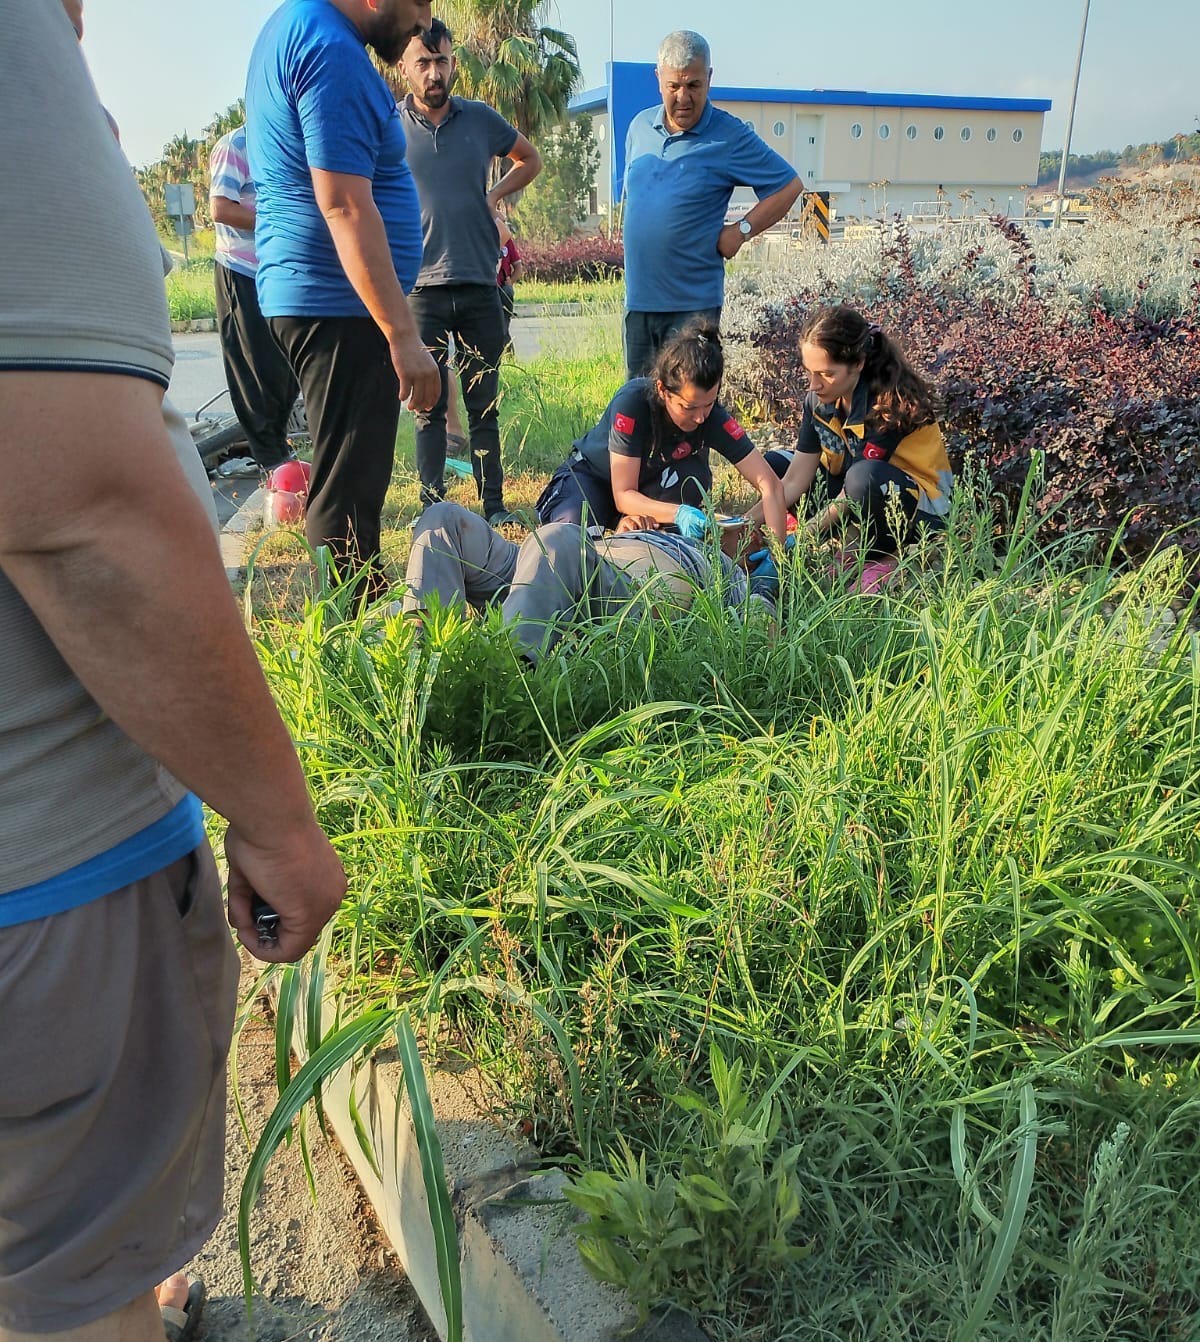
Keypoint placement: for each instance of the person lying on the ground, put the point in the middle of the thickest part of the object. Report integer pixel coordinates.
(649, 454)
(869, 438)
(559, 574)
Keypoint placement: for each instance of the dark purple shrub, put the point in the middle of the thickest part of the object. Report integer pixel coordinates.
(1113, 403)
(582, 258)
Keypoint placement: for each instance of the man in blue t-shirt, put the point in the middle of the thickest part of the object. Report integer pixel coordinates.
(683, 161)
(338, 233)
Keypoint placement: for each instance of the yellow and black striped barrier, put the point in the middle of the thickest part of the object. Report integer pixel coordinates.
(814, 218)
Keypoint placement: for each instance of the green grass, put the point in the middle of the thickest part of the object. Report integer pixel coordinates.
(545, 404)
(591, 293)
(862, 953)
(190, 288)
(190, 292)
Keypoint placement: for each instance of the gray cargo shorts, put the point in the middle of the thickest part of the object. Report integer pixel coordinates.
(115, 1022)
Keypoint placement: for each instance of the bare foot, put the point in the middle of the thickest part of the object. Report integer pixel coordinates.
(173, 1292)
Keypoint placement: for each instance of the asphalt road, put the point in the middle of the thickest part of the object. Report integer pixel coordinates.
(199, 374)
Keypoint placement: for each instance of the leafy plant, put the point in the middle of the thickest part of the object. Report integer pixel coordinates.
(726, 1221)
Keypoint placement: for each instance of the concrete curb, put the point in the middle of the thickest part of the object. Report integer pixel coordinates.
(549, 310)
(522, 1277)
(193, 325)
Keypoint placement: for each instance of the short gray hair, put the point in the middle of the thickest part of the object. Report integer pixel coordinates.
(680, 49)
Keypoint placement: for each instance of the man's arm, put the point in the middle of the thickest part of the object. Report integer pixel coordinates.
(526, 164)
(360, 239)
(769, 210)
(111, 549)
(231, 212)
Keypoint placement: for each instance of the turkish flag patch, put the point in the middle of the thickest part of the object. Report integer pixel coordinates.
(873, 452)
(734, 429)
(683, 450)
(624, 424)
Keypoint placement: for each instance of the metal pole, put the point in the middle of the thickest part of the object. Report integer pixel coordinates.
(1062, 172)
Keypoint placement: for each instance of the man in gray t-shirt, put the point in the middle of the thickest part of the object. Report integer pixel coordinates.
(452, 143)
(128, 692)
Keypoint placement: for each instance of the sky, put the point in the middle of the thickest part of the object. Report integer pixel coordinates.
(162, 68)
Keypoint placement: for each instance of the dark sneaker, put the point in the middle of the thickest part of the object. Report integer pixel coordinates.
(503, 518)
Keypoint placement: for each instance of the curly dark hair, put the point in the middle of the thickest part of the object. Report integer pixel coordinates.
(901, 398)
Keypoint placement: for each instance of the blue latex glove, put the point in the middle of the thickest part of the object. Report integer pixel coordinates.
(761, 564)
(691, 522)
(762, 575)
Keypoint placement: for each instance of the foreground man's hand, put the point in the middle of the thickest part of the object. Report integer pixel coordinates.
(300, 877)
(420, 380)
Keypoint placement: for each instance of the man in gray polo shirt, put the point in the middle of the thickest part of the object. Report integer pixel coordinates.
(452, 143)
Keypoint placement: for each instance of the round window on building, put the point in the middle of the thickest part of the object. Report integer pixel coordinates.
(965, 134)
(1018, 135)
(750, 123)
(991, 135)
(884, 131)
(856, 131)
(939, 132)
(911, 132)
(601, 132)
(779, 129)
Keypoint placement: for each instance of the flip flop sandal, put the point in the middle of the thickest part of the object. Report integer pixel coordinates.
(180, 1324)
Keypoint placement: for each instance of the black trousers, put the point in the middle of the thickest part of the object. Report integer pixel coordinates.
(261, 383)
(352, 397)
(647, 332)
(870, 486)
(508, 306)
(473, 316)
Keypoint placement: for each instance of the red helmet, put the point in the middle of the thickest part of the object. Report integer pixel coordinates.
(290, 477)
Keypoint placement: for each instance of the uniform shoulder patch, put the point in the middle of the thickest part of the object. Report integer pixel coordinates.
(624, 423)
(734, 429)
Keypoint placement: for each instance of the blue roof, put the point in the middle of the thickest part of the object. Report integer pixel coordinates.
(594, 100)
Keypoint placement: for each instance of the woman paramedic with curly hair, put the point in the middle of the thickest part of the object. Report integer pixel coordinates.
(869, 436)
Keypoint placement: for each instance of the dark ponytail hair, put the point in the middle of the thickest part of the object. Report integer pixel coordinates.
(693, 354)
(901, 398)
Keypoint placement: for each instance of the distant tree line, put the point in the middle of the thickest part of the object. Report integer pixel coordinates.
(1178, 149)
(185, 159)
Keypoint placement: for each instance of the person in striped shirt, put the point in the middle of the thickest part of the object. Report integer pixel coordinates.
(261, 383)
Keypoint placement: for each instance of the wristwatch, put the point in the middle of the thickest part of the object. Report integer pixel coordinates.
(745, 228)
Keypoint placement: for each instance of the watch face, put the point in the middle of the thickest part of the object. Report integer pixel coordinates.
(744, 227)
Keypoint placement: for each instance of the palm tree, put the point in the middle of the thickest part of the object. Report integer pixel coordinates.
(509, 59)
(221, 124)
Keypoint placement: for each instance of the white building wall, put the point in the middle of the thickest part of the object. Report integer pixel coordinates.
(879, 161)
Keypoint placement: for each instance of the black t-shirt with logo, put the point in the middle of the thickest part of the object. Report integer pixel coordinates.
(679, 469)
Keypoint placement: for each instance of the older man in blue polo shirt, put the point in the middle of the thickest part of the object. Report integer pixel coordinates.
(683, 161)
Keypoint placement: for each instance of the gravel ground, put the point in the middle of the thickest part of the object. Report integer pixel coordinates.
(325, 1272)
